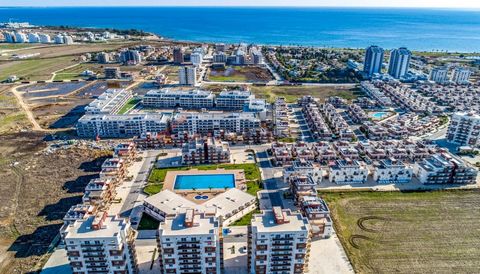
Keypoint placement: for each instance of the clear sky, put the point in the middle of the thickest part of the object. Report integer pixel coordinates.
(337, 3)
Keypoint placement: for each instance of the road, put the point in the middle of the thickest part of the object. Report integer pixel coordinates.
(270, 181)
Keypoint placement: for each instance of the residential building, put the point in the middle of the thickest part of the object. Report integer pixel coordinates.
(20, 37)
(187, 76)
(188, 99)
(439, 75)
(278, 242)
(112, 72)
(220, 47)
(190, 242)
(101, 244)
(373, 60)
(461, 75)
(99, 193)
(207, 123)
(219, 57)
(391, 171)
(304, 167)
(120, 126)
(196, 58)
(126, 151)
(444, 168)
(318, 215)
(130, 57)
(301, 186)
(45, 38)
(234, 99)
(103, 58)
(205, 151)
(33, 37)
(178, 55)
(347, 171)
(109, 102)
(399, 62)
(464, 129)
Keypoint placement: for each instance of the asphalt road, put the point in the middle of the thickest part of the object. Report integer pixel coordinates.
(269, 180)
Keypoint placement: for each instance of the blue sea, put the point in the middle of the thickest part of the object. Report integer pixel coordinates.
(418, 29)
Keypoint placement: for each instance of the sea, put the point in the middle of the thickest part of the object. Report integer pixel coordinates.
(452, 30)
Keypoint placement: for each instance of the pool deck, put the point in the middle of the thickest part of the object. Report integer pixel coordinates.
(169, 182)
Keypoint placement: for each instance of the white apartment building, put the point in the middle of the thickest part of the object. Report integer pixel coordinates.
(464, 129)
(347, 172)
(21, 37)
(391, 171)
(219, 57)
(234, 99)
(439, 75)
(279, 242)
(45, 38)
(304, 167)
(187, 76)
(399, 62)
(189, 99)
(318, 215)
(375, 93)
(120, 126)
(33, 37)
(196, 58)
(444, 168)
(373, 60)
(461, 75)
(101, 244)
(109, 102)
(190, 242)
(205, 123)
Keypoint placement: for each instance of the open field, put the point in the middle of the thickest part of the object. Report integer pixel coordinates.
(34, 69)
(240, 74)
(418, 232)
(292, 93)
(36, 190)
(12, 117)
(7, 46)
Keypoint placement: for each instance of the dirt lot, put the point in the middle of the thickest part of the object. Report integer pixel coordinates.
(394, 232)
(12, 118)
(36, 189)
(240, 74)
(292, 93)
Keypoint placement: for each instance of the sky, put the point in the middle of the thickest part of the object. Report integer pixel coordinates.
(327, 3)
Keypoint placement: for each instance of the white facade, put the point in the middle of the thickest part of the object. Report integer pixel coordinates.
(348, 172)
(100, 244)
(189, 99)
(21, 37)
(461, 75)
(109, 102)
(196, 58)
(391, 172)
(279, 242)
(206, 123)
(399, 62)
(45, 38)
(439, 75)
(190, 242)
(33, 37)
(464, 129)
(187, 76)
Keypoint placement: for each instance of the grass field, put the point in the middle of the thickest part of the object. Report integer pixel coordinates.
(292, 93)
(252, 175)
(130, 104)
(240, 74)
(418, 232)
(14, 46)
(34, 69)
(245, 220)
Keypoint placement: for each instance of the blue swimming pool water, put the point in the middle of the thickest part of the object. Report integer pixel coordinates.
(214, 181)
(380, 115)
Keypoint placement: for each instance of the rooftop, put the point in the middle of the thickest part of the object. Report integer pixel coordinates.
(266, 222)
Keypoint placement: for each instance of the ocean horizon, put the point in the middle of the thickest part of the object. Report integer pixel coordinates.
(420, 29)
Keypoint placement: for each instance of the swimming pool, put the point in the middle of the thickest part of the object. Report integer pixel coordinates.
(207, 181)
(379, 115)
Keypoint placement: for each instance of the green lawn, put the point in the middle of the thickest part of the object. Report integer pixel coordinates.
(245, 220)
(66, 76)
(152, 189)
(397, 232)
(148, 223)
(130, 104)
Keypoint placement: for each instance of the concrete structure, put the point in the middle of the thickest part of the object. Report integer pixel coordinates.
(112, 72)
(190, 242)
(188, 99)
(444, 168)
(178, 55)
(205, 123)
(464, 129)
(219, 57)
(234, 99)
(439, 75)
(103, 58)
(196, 58)
(318, 215)
(109, 102)
(373, 60)
(187, 76)
(278, 242)
(391, 171)
(45, 38)
(205, 151)
(130, 57)
(347, 172)
(101, 244)
(461, 75)
(120, 126)
(399, 62)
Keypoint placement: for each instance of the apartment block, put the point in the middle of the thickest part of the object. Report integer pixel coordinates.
(190, 243)
(205, 151)
(399, 62)
(234, 99)
(126, 151)
(375, 93)
(101, 244)
(109, 102)
(347, 171)
(388, 171)
(207, 123)
(464, 129)
(373, 60)
(188, 99)
(187, 76)
(99, 193)
(461, 76)
(120, 126)
(439, 75)
(278, 242)
(305, 167)
(443, 168)
(318, 215)
(301, 186)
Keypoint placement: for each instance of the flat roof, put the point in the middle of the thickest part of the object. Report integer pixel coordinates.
(112, 225)
(294, 222)
(229, 201)
(171, 203)
(202, 225)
